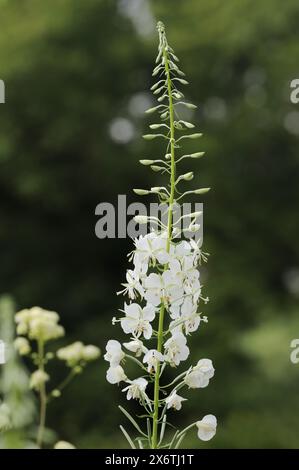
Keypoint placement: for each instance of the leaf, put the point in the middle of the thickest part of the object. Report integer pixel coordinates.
(162, 429)
(127, 414)
(173, 439)
(140, 444)
(179, 441)
(127, 437)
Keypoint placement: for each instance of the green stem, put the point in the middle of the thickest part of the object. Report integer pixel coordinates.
(169, 233)
(62, 385)
(43, 397)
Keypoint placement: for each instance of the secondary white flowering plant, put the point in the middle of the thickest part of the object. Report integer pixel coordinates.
(35, 328)
(163, 288)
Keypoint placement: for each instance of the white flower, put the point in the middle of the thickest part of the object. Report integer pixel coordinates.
(193, 288)
(174, 401)
(114, 353)
(187, 308)
(39, 324)
(152, 358)
(64, 445)
(115, 375)
(136, 346)
(192, 323)
(182, 249)
(90, 353)
(151, 247)
(137, 320)
(133, 285)
(38, 379)
(176, 349)
(77, 352)
(22, 345)
(207, 427)
(164, 288)
(200, 375)
(136, 388)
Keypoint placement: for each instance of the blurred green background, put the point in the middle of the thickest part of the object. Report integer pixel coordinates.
(77, 75)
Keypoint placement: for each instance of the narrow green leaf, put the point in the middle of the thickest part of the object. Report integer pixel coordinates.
(162, 432)
(127, 414)
(179, 441)
(127, 437)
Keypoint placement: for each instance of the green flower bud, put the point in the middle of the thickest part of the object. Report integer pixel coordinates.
(157, 168)
(141, 219)
(187, 176)
(197, 155)
(151, 136)
(141, 192)
(146, 162)
(201, 190)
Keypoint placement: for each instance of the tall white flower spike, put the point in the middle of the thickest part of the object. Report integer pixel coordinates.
(163, 286)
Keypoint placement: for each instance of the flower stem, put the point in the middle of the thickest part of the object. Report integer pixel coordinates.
(169, 234)
(42, 396)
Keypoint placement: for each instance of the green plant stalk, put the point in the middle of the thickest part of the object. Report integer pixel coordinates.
(169, 232)
(42, 396)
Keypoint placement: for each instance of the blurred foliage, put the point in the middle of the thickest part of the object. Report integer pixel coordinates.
(14, 386)
(77, 74)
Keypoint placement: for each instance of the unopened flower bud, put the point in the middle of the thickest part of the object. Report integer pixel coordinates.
(141, 192)
(141, 219)
(201, 190)
(146, 162)
(188, 176)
